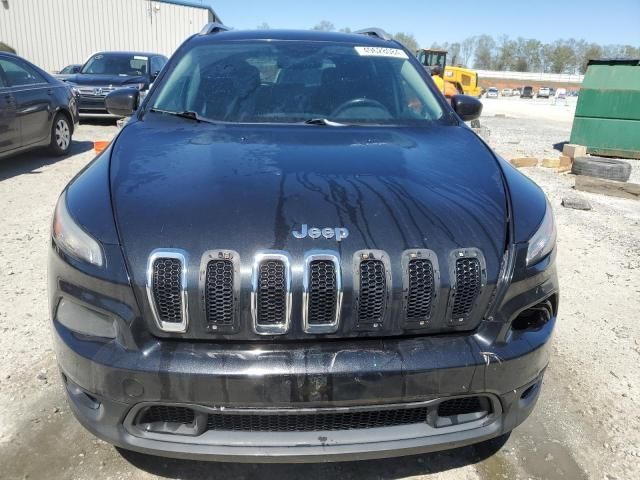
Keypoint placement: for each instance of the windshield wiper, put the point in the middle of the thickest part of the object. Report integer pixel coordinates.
(190, 114)
(323, 121)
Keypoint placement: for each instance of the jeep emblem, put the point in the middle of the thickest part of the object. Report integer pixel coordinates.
(339, 233)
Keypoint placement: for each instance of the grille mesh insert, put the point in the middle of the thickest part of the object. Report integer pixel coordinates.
(322, 292)
(373, 292)
(165, 413)
(421, 289)
(272, 292)
(468, 284)
(167, 289)
(460, 406)
(219, 292)
(316, 421)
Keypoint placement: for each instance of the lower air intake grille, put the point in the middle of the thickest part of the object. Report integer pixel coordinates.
(322, 292)
(468, 283)
(272, 292)
(169, 414)
(219, 293)
(460, 406)
(373, 292)
(167, 289)
(316, 421)
(421, 290)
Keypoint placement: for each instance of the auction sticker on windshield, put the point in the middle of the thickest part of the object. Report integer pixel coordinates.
(381, 52)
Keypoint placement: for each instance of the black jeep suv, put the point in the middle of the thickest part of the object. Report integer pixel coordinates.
(296, 250)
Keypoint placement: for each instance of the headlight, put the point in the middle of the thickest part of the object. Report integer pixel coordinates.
(544, 240)
(72, 239)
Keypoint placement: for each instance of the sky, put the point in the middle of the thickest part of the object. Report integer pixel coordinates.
(599, 21)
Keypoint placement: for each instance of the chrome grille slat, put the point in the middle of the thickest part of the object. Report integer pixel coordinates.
(167, 289)
(421, 290)
(372, 301)
(468, 282)
(219, 293)
(322, 292)
(271, 295)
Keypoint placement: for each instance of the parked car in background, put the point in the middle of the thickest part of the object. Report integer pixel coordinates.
(67, 72)
(527, 92)
(492, 92)
(506, 92)
(105, 72)
(36, 110)
(552, 91)
(233, 280)
(516, 92)
(543, 92)
(70, 69)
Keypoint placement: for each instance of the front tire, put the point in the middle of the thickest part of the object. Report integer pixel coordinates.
(60, 135)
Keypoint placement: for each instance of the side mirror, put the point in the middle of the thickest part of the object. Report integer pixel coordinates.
(122, 102)
(468, 108)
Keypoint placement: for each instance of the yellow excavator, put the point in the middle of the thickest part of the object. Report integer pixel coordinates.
(450, 80)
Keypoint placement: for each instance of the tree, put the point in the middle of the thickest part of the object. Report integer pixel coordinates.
(6, 48)
(345, 30)
(505, 54)
(453, 57)
(590, 52)
(562, 58)
(325, 26)
(484, 52)
(408, 40)
(467, 47)
(263, 26)
(532, 52)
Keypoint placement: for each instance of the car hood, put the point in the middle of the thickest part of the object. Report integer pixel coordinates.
(198, 187)
(103, 80)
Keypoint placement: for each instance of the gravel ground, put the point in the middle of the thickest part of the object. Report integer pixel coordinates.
(586, 424)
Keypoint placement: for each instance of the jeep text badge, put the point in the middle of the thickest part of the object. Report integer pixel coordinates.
(339, 233)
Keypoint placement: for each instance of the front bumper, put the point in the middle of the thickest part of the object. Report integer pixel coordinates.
(345, 374)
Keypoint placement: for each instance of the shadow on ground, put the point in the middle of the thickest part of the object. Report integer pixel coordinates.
(35, 159)
(393, 468)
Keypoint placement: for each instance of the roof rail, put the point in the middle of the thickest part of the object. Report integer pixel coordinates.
(375, 32)
(213, 27)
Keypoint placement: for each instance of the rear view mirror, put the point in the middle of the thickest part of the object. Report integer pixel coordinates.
(76, 69)
(468, 108)
(122, 102)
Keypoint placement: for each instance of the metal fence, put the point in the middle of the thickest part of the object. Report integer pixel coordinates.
(539, 76)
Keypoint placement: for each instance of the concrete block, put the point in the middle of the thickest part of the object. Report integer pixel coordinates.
(551, 162)
(572, 150)
(524, 162)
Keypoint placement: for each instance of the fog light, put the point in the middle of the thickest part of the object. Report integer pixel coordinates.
(85, 320)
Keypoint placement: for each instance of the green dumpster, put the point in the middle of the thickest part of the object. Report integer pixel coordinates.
(607, 119)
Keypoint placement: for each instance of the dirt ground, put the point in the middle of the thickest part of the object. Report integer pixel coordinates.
(586, 423)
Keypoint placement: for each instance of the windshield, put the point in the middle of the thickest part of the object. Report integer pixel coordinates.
(120, 64)
(292, 82)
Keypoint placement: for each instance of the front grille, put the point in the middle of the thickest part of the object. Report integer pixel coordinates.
(323, 292)
(219, 293)
(316, 421)
(167, 289)
(421, 290)
(468, 284)
(272, 292)
(373, 292)
(460, 406)
(169, 414)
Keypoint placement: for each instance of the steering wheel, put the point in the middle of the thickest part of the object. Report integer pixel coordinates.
(359, 102)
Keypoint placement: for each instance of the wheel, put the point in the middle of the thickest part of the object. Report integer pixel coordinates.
(608, 168)
(60, 135)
